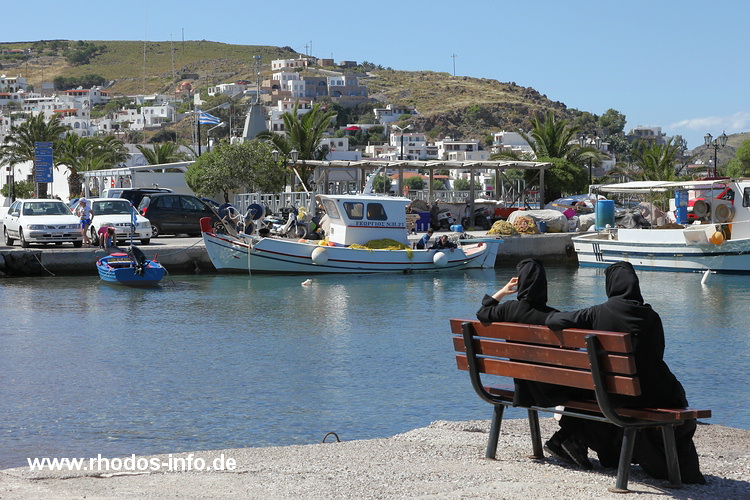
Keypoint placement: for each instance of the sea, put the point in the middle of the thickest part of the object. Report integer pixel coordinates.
(206, 362)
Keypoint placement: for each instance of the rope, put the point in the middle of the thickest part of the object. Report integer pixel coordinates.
(36, 256)
(331, 434)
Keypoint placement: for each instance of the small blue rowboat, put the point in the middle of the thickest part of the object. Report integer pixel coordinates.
(132, 269)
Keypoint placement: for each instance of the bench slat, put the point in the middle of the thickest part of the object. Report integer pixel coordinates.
(655, 414)
(616, 384)
(570, 358)
(539, 334)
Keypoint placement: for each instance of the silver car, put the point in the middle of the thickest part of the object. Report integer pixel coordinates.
(41, 221)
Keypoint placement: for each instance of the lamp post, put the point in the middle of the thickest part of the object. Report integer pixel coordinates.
(294, 156)
(401, 130)
(401, 158)
(208, 135)
(582, 141)
(717, 144)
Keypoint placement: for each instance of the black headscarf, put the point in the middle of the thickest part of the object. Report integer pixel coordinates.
(532, 282)
(531, 304)
(622, 282)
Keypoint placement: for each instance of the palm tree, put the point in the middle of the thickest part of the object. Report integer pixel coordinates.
(114, 150)
(83, 154)
(302, 133)
(73, 152)
(166, 152)
(18, 145)
(656, 162)
(553, 140)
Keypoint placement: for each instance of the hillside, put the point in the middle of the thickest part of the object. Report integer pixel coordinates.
(461, 107)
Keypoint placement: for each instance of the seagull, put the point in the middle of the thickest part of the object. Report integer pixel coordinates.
(306, 282)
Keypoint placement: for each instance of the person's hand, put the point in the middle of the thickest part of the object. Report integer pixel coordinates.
(509, 288)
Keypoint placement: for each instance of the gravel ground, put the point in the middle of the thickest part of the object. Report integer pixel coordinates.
(443, 460)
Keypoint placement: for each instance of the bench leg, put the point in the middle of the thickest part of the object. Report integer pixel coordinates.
(673, 464)
(626, 455)
(536, 435)
(497, 420)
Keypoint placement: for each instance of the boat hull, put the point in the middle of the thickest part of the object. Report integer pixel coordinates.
(662, 250)
(126, 275)
(271, 255)
(227, 254)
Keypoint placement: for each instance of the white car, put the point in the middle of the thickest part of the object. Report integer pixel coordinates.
(117, 213)
(41, 221)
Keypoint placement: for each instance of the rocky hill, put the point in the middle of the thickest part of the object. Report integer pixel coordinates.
(460, 107)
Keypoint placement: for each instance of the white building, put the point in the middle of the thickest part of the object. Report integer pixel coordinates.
(278, 64)
(510, 142)
(276, 123)
(12, 83)
(453, 150)
(414, 146)
(390, 114)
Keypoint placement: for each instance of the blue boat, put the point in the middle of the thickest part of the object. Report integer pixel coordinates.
(131, 268)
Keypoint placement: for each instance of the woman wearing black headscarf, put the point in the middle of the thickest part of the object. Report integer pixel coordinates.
(531, 308)
(626, 311)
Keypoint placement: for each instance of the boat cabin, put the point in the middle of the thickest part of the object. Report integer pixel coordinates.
(362, 218)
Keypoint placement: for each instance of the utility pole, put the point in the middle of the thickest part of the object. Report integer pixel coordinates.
(454, 64)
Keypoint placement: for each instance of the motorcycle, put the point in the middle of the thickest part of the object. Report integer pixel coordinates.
(481, 217)
(441, 219)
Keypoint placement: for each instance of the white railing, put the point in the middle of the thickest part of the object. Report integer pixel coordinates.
(275, 201)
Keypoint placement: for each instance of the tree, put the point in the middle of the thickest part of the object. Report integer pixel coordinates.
(461, 185)
(165, 152)
(612, 122)
(740, 165)
(414, 183)
(247, 166)
(18, 145)
(84, 154)
(303, 133)
(381, 184)
(554, 141)
(21, 189)
(655, 162)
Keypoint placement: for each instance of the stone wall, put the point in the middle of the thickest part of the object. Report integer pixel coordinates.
(20, 263)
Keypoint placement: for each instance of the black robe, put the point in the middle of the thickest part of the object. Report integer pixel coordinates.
(530, 308)
(625, 311)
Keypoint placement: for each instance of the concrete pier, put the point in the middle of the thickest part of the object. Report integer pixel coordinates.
(188, 255)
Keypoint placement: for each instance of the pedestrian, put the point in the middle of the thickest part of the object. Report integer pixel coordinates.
(530, 307)
(85, 213)
(626, 311)
(107, 237)
(422, 243)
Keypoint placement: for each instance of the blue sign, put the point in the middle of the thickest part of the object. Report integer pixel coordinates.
(43, 161)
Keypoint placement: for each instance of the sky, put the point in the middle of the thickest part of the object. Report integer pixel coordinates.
(675, 64)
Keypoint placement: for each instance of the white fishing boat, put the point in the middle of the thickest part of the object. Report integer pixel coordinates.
(715, 236)
(351, 224)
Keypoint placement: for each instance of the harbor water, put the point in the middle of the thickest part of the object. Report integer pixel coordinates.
(218, 361)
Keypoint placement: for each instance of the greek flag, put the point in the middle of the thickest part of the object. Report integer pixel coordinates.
(206, 119)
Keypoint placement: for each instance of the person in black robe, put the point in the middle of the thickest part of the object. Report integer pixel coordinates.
(626, 311)
(531, 308)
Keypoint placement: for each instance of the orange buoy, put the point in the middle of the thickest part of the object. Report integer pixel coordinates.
(717, 238)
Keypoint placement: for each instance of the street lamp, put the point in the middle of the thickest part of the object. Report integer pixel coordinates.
(582, 141)
(294, 156)
(717, 144)
(401, 156)
(208, 135)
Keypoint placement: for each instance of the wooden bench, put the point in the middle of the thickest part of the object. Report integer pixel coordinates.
(585, 359)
